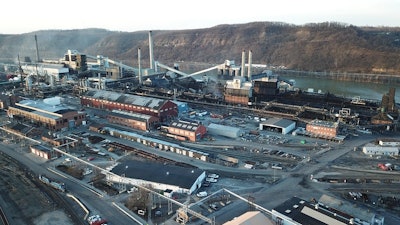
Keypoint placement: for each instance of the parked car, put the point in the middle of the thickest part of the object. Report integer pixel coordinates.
(202, 194)
(211, 180)
(213, 175)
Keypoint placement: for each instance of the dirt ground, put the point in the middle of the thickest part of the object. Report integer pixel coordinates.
(21, 200)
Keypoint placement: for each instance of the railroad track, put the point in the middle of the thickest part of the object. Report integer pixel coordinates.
(59, 200)
(52, 195)
(3, 217)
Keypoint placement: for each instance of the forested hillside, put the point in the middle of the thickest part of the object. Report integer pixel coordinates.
(311, 47)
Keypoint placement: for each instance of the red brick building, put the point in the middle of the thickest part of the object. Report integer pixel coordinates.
(323, 128)
(133, 120)
(184, 130)
(160, 108)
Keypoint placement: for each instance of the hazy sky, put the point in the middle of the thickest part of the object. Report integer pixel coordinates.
(23, 16)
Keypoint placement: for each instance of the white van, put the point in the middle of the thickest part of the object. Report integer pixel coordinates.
(202, 194)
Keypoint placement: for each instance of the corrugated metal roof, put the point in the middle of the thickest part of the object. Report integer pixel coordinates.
(147, 102)
(278, 122)
(159, 173)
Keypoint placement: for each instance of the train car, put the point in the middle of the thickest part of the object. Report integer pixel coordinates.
(56, 185)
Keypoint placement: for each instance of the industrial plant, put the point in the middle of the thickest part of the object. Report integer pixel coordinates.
(161, 135)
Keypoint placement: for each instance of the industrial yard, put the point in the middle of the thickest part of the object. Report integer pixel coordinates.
(108, 143)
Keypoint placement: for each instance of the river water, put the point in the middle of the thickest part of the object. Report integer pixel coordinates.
(347, 89)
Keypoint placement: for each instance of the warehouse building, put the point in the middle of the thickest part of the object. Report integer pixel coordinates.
(160, 176)
(281, 125)
(133, 120)
(53, 117)
(323, 129)
(296, 211)
(44, 152)
(249, 218)
(160, 108)
(225, 131)
(185, 130)
(160, 144)
(380, 150)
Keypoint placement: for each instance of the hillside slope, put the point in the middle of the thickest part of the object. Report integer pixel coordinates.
(312, 47)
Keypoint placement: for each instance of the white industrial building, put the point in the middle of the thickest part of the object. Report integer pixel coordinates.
(225, 131)
(249, 218)
(296, 211)
(381, 150)
(389, 142)
(159, 176)
(283, 125)
(56, 70)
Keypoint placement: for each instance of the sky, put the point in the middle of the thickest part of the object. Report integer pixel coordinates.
(24, 16)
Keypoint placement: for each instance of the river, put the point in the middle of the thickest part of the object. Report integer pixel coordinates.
(347, 89)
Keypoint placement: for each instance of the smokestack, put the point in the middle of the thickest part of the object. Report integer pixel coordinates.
(250, 62)
(243, 62)
(139, 67)
(37, 50)
(151, 51)
(69, 57)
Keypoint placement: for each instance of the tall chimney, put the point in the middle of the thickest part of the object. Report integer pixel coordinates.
(243, 62)
(139, 67)
(151, 51)
(37, 50)
(250, 62)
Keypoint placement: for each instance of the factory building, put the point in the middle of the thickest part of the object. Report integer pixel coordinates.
(238, 91)
(185, 130)
(323, 129)
(162, 109)
(44, 152)
(265, 86)
(52, 116)
(55, 72)
(296, 211)
(160, 176)
(282, 125)
(76, 61)
(132, 120)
